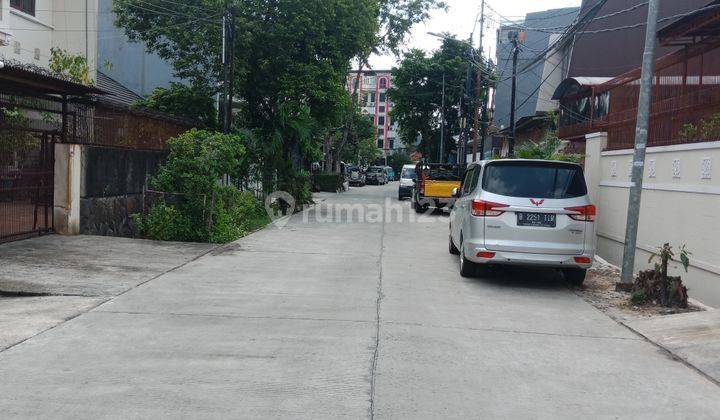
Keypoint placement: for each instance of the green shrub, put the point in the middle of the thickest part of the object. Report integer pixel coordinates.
(638, 298)
(203, 210)
(328, 182)
(548, 149)
(165, 223)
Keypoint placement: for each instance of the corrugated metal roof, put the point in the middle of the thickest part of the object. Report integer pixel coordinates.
(33, 78)
(116, 91)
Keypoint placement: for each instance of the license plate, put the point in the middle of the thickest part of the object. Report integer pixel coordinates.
(536, 219)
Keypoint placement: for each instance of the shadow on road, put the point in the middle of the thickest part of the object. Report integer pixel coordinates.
(523, 277)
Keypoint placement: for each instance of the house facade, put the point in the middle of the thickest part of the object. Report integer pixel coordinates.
(29, 29)
(374, 102)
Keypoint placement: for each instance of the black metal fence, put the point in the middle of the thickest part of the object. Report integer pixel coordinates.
(26, 182)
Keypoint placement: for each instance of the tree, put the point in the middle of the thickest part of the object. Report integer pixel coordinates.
(361, 147)
(187, 101)
(70, 66)
(417, 95)
(395, 19)
(397, 161)
(291, 61)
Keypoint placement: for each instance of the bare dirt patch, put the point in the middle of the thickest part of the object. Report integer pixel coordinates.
(599, 290)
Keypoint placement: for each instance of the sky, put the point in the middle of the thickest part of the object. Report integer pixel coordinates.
(460, 19)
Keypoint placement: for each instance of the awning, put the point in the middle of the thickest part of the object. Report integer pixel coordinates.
(577, 85)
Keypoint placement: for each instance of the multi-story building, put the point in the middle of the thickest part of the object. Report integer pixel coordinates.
(29, 29)
(536, 85)
(374, 102)
(128, 62)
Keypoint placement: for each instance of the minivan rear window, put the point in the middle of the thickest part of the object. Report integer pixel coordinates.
(551, 180)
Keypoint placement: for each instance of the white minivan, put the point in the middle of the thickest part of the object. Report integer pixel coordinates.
(524, 212)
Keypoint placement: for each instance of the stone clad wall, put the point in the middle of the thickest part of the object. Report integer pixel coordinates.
(112, 188)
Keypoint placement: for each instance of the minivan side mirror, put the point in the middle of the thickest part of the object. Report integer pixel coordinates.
(456, 192)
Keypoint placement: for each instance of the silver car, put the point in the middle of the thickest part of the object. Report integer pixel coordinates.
(524, 212)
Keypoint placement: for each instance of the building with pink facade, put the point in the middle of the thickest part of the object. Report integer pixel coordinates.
(374, 103)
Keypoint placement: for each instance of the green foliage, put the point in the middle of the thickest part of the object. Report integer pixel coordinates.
(328, 182)
(707, 128)
(417, 95)
(15, 140)
(204, 209)
(291, 62)
(361, 147)
(166, 223)
(187, 101)
(296, 183)
(397, 161)
(70, 66)
(638, 298)
(397, 17)
(666, 254)
(548, 149)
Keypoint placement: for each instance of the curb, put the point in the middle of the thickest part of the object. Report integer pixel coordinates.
(672, 354)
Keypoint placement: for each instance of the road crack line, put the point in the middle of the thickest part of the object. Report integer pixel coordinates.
(376, 351)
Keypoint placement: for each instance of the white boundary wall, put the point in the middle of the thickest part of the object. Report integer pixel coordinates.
(680, 205)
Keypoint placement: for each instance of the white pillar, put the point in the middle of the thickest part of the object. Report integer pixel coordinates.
(68, 168)
(595, 143)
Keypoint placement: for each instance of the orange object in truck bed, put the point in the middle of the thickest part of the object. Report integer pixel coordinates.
(439, 189)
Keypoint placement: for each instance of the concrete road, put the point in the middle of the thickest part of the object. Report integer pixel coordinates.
(330, 318)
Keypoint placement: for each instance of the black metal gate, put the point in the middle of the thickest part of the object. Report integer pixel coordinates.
(26, 182)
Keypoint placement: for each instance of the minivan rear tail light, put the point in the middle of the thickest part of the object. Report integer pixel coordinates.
(481, 208)
(486, 254)
(582, 213)
(583, 260)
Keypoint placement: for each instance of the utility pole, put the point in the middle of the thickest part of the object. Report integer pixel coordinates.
(516, 51)
(478, 87)
(227, 61)
(231, 67)
(441, 152)
(465, 99)
(641, 137)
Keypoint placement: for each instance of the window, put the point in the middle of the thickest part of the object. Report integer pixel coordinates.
(381, 120)
(408, 173)
(381, 108)
(391, 142)
(535, 180)
(467, 182)
(381, 131)
(383, 98)
(368, 81)
(380, 143)
(27, 6)
(383, 83)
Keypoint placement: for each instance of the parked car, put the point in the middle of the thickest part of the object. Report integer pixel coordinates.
(407, 181)
(376, 175)
(390, 173)
(356, 176)
(524, 212)
(435, 184)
